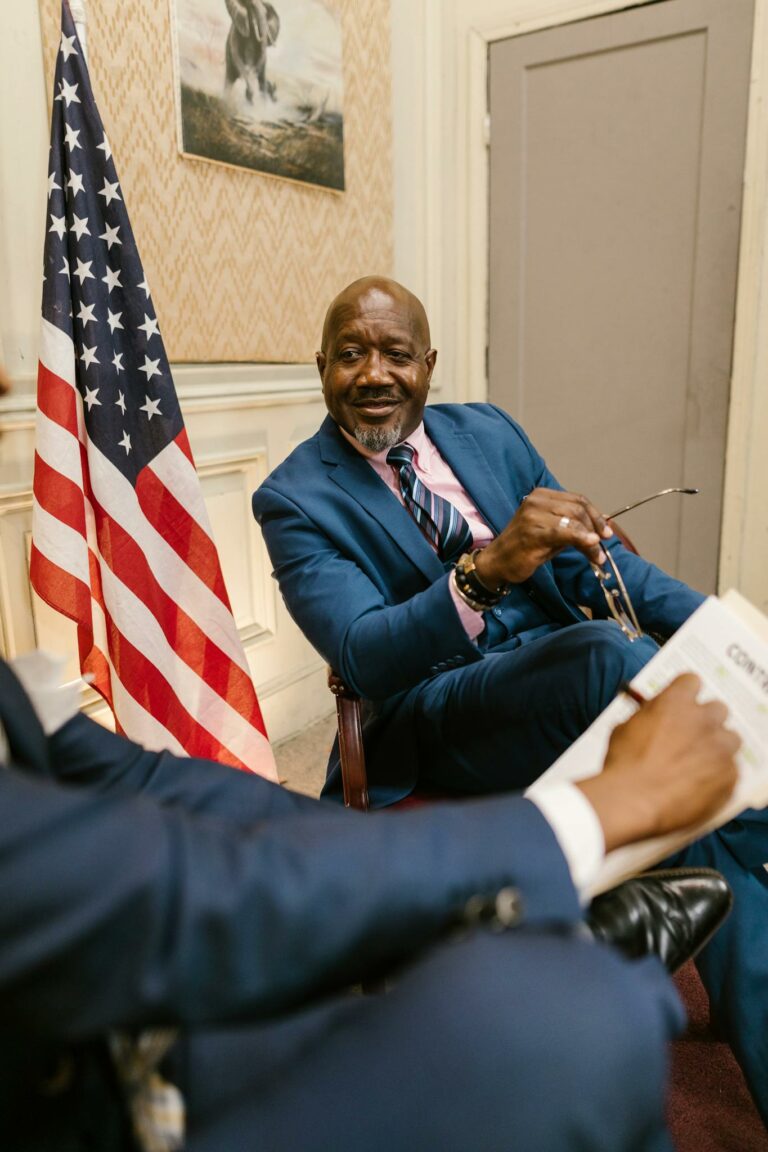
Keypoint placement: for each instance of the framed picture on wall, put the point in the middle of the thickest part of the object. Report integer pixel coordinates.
(259, 86)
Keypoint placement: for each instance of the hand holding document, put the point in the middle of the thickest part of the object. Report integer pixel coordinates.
(725, 643)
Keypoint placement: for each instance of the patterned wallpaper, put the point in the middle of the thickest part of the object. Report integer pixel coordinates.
(241, 265)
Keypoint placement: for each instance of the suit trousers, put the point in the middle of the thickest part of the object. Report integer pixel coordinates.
(497, 724)
(528, 1040)
(733, 965)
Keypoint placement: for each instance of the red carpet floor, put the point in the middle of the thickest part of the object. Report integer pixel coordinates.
(710, 1109)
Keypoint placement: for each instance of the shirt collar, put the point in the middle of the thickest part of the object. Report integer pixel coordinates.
(418, 440)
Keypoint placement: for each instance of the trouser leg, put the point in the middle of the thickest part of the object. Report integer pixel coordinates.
(497, 724)
(527, 1041)
(734, 965)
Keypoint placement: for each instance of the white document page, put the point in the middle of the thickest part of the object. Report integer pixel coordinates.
(726, 643)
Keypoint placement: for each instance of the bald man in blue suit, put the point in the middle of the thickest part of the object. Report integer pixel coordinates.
(499, 695)
(476, 685)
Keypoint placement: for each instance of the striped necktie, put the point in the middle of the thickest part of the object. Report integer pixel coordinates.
(442, 524)
(155, 1106)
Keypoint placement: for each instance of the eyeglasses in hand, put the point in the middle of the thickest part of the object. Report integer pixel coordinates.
(610, 579)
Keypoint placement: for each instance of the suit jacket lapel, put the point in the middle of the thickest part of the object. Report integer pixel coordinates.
(463, 454)
(353, 473)
(27, 742)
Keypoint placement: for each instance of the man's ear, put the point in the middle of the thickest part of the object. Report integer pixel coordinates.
(430, 359)
(320, 361)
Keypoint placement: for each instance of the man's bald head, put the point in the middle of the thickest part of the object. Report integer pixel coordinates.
(375, 362)
(368, 289)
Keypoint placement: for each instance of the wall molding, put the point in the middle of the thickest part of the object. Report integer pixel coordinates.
(200, 386)
(294, 678)
(274, 383)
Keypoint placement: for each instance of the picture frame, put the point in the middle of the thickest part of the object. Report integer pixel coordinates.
(259, 86)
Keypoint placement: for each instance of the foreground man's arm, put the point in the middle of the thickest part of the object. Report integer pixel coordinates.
(115, 911)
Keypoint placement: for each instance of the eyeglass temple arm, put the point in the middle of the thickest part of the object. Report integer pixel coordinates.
(647, 499)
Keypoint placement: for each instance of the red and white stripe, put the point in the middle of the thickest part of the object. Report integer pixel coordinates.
(137, 570)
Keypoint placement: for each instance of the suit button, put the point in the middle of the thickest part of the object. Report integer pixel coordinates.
(509, 907)
(504, 910)
(497, 613)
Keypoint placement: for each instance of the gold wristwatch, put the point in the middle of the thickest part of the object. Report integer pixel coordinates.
(471, 588)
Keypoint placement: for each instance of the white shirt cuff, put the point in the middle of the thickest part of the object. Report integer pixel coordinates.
(472, 621)
(41, 676)
(576, 826)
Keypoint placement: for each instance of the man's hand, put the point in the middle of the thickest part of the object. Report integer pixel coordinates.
(546, 522)
(670, 766)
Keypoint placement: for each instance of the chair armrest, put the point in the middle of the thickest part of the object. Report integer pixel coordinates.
(351, 754)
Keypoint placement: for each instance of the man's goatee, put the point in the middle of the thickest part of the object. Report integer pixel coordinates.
(377, 439)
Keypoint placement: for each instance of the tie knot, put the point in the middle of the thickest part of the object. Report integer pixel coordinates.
(400, 454)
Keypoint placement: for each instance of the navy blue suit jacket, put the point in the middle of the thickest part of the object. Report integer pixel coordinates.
(138, 889)
(371, 595)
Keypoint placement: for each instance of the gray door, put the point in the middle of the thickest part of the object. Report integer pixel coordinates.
(617, 153)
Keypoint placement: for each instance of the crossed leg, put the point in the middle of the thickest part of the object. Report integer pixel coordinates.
(496, 725)
(529, 1040)
(734, 965)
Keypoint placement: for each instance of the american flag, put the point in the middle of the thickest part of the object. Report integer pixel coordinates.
(121, 539)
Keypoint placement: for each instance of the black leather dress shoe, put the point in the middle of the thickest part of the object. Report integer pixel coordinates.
(671, 913)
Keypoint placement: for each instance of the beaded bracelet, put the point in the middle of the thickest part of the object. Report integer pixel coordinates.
(471, 588)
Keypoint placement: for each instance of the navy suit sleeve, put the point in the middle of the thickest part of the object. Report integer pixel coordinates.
(115, 911)
(379, 648)
(85, 753)
(662, 603)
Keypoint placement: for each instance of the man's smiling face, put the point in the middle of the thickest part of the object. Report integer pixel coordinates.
(376, 364)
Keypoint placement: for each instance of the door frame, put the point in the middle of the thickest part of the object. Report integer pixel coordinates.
(455, 263)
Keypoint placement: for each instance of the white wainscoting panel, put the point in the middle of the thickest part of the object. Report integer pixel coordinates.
(228, 484)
